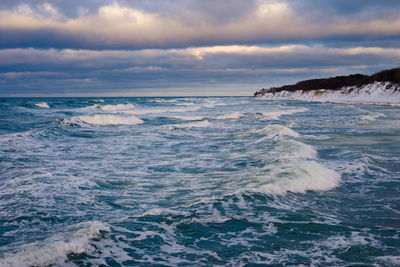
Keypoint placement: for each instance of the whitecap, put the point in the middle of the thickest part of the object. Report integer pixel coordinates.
(300, 177)
(198, 124)
(294, 149)
(372, 116)
(234, 115)
(292, 169)
(113, 107)
(392, 260)
(185, 104)
(164, 211)
(15, 136)
(275, 115)
(190, 118)
(276, 130)
(212, 103)
(157, 110)
(55, 250)
(103, 120)
(164, 100)
(42, 105)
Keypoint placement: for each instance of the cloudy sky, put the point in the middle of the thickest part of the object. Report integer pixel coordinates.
(189, 47)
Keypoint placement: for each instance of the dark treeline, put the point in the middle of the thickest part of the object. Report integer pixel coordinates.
(336, 83)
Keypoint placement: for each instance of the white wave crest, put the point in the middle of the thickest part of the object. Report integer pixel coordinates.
(276, 130)
(157, 110)
(392, 260)
(113, 107)
(42, 105)
(163, 211)
(164, 100)
(185, 104)
(292, 169)
(372, 116)
(212, 103)
(234, 115)
(275, 115)
(198, 124)
(15, 136)
(190, 118)
(299, 177)
(294, 149)
(55, 250)
(103, 120)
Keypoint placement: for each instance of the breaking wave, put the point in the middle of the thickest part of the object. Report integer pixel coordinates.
(234, 115)
(185, 104)
(299, 177)
(113, 107)
(293, 167)
(42, 105)
(55, 250)
(276, 130)
(103, 120)
(157, 110)
(372, 116)
(190, 118)
(198, 124)
(275, 115)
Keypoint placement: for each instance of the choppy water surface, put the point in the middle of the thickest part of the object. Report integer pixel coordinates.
(198, 181)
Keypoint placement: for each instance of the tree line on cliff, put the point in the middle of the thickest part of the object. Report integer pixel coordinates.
(338, 82)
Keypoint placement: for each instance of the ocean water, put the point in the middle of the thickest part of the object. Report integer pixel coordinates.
(198, 181)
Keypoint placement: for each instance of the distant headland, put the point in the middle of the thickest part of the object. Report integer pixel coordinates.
(380, 88)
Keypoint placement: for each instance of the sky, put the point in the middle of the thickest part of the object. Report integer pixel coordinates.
(189, 47)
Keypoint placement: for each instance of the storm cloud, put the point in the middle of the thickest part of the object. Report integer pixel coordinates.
(119, 26)
(151, 47)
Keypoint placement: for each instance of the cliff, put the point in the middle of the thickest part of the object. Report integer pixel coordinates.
(381, 87)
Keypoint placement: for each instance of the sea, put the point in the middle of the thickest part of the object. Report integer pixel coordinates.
(198, 181)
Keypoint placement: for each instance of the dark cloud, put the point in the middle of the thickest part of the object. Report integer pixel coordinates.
(167, 46)
(33, 71)
(164, 24)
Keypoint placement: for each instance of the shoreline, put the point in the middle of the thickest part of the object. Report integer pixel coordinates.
(377, 93)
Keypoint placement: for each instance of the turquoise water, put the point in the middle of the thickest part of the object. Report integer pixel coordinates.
(198, 181)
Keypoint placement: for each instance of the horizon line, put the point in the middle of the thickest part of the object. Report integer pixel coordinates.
(113, 96)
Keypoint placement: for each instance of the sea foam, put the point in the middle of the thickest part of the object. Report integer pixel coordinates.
(275, 115)
(198, 124)
(299, 177)
(234, 115)
(293, 168)
(103, 120)
(190, 118)
(42, 105)
(276, 130)
(185, 104)
(295, 149)
(55, 250)
(113, 107)
(141, 111)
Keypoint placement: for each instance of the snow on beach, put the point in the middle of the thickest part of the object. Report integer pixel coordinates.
(383, 93)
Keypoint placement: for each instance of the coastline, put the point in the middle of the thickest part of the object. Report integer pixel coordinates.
(377, 93)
